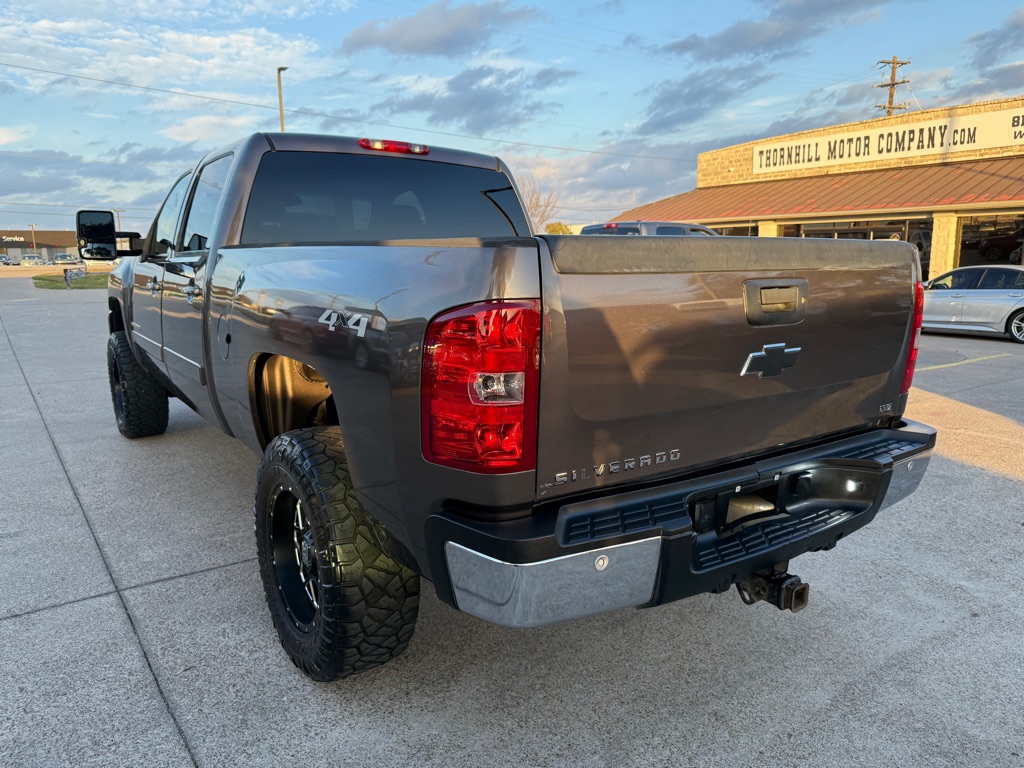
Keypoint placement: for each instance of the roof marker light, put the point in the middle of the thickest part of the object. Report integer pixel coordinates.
(387, 145)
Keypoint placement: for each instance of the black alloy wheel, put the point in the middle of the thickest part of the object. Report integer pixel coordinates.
(340, 600)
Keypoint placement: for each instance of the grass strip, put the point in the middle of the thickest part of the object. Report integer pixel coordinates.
(57, 281)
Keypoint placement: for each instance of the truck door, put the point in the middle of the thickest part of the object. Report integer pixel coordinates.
(184, 281)
(146, 328)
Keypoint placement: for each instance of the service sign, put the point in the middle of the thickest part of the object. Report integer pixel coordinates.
(986, 130)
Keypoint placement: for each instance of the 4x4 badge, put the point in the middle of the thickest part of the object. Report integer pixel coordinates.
(770, 361)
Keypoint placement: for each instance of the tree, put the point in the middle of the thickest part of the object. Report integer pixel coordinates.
(557, 228)
(540, 205)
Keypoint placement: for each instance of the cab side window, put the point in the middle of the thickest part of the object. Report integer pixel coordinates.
(167, 220)
(205, 200)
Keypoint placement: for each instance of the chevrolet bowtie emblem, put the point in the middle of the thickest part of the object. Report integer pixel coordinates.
(770, 361)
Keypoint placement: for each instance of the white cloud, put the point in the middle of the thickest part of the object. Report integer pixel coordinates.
(179, 11)
(14, 134)
(209, 128)
(439, 30)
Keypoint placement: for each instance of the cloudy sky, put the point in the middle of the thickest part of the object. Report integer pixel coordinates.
(605, 104)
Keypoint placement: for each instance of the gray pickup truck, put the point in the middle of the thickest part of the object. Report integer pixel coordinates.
(545, 427)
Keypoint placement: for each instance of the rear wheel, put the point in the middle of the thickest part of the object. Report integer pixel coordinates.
(1015, 326)
(140, 402)
(992, 253)
(340, 603)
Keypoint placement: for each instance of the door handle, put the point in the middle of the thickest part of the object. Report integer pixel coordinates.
(1015, 295)
(958, 295)
(191, 291)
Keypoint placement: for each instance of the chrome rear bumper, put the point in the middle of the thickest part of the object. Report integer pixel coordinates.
(672, 556)
(549, 591)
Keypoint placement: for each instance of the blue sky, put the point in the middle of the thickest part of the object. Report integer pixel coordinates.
(605, 104)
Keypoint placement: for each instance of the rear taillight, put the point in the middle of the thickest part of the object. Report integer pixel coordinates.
(480, 387)
(915, 338)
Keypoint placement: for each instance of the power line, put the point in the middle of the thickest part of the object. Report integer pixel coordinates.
(70, 205)
(324, 116)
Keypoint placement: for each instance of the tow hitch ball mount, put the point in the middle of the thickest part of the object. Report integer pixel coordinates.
(783, 590)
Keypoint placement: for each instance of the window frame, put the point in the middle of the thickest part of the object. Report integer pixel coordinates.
(151, 252)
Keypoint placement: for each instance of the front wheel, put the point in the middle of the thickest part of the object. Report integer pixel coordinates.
(340, 603)
(140, 401)
(1015, 326)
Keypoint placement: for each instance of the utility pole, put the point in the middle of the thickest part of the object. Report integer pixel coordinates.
(894, 64)
(280, 96)
(33, 227)
(118, 212)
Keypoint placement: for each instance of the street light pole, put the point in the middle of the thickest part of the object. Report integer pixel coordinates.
(280, 96)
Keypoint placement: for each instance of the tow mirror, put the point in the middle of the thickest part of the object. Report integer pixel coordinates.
(97, 235)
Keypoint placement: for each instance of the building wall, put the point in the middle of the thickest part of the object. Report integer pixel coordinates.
(15, 243)
(734, 165)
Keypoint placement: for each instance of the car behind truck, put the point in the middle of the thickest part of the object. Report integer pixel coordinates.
(543, 427)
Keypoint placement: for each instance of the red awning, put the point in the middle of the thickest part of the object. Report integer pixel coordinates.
(925, 187)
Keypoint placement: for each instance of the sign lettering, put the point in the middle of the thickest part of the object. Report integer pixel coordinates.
(987, 130)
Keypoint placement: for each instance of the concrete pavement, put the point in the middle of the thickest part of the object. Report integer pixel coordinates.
(133, 629)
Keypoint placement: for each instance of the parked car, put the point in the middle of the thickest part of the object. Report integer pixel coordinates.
(6, 261)
(997, 247)
(65, 259)
(32, 260)
(985, 299)
(651, 453)
(669, 228)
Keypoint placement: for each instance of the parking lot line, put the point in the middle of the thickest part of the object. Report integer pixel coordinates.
(962, 362)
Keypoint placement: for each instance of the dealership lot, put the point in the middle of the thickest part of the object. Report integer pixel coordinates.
(133, 629)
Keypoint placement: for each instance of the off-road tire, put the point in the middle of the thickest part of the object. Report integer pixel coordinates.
(1015, 326)
(361, 611)
(140, 401)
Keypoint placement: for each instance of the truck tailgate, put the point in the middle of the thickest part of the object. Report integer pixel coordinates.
(664, 354)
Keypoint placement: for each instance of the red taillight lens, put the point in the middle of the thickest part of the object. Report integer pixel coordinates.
(908, 372)
(480, 387)
(402, 147)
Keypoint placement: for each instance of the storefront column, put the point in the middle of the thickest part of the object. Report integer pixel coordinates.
(945, 234)
(767, 229)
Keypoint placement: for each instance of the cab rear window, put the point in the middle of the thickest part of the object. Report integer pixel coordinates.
(316, 197)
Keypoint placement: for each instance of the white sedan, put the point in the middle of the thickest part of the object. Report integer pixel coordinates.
(985, 299)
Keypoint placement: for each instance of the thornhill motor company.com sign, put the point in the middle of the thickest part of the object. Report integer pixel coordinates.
(986, 130)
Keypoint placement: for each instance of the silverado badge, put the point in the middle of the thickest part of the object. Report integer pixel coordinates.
(770, 361)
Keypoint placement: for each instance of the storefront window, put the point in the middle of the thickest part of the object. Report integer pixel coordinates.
(742, 230)
(991, 239)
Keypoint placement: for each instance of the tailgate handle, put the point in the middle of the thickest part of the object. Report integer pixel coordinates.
(775, 302)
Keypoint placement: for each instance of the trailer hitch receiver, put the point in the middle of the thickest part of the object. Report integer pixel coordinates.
(783, 590)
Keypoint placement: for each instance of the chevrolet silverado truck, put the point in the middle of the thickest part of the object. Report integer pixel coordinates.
(544, 427)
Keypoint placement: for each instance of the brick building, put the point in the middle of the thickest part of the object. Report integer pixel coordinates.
(950, 180)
